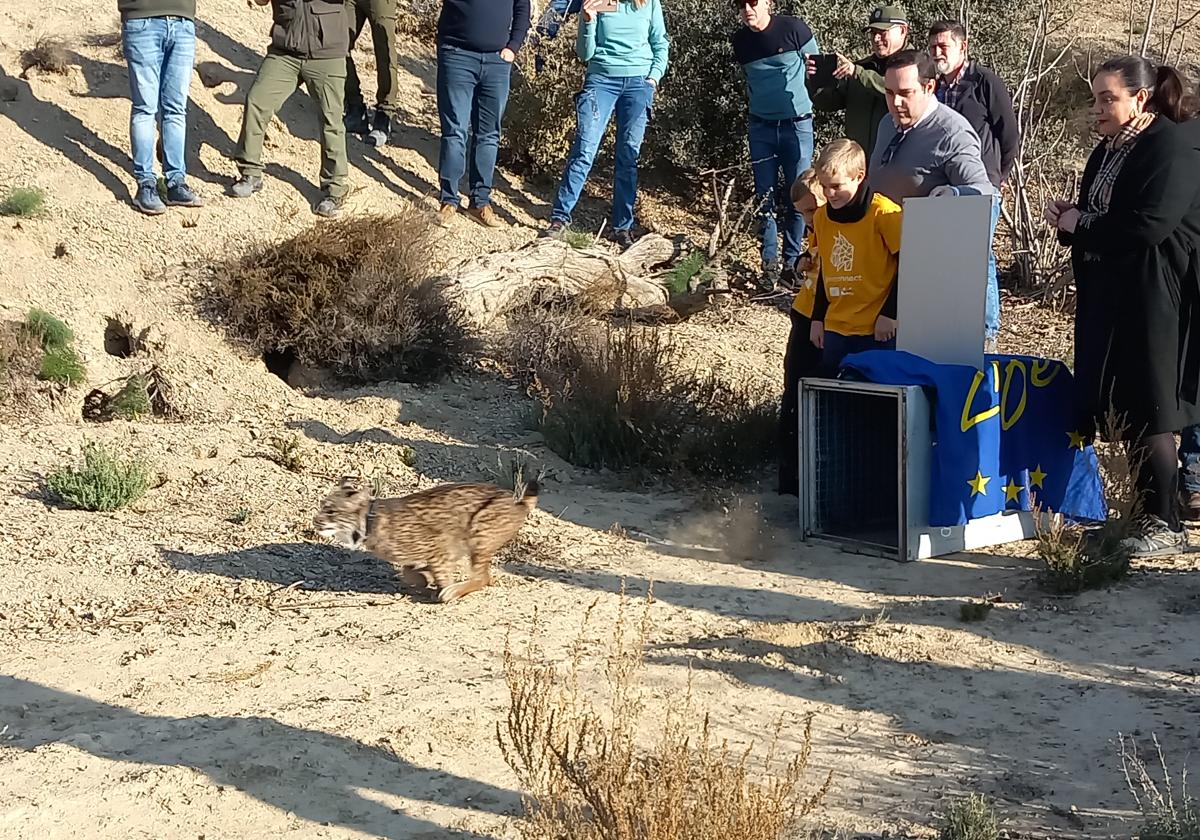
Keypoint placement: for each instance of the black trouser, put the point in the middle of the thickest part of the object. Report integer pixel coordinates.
(1156, 477)
(801, 359)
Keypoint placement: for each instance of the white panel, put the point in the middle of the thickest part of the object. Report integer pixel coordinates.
(943, 278)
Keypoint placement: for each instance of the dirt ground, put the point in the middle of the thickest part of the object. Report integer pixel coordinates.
(168, 673)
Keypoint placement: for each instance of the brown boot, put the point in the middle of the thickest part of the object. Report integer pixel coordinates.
(486, 216)
(1189, 505)
(446, 214)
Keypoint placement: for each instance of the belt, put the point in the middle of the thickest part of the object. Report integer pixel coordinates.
(787, 121)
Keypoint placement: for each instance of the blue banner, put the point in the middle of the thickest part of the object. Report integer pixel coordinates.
(1004, 435)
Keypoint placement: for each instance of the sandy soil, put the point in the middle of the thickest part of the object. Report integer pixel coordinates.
(166, 673)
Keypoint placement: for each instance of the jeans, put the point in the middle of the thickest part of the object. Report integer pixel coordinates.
(776, 146)
(472, 92)
(630, 97)
(838, 347)
(159, 52)
(991, 307)
(1189, 456)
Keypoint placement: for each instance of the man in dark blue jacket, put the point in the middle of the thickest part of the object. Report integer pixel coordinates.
(771, 50)
(477, 43)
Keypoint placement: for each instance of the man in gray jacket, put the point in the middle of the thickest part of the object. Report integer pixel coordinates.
(922, 144)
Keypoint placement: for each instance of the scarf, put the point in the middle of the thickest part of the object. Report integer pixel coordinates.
(1117, 149)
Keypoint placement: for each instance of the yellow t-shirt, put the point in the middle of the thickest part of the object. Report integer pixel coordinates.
(806, 292)
(858, 264)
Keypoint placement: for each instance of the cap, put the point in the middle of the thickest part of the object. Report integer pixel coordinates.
(885, 17)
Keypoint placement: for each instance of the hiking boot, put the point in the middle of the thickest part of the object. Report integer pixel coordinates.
(246, 186)
(446, 214)
(181, 195)
(356, 119)
(770, 276)
(1189, 505)
(486, 216)
(789, 278)
(555, 229)
(623, 238)
(329, 207)
(381, 130)
(1154, 538)
(148, 200)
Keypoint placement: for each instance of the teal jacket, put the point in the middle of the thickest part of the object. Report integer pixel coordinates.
(631, 41)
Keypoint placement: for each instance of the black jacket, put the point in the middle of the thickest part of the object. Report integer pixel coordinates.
(986, 103)
(1137, 276)
(310, 28)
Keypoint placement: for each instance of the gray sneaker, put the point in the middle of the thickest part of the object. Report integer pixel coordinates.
(181, 195)
(1154, 538)
(246, 186)
(148, 200)
(328, 208)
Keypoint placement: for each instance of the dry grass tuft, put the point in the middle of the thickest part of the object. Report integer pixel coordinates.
(287, 452)
(587, 776)
(970, 818)
(49, 55)
(1167, 814)
(351, 296)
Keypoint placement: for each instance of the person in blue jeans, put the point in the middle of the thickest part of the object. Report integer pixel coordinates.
(477, 43)
(159, 42)
(771, 50)
(626, 51)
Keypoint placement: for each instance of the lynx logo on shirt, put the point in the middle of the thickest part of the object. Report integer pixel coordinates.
(842, 255)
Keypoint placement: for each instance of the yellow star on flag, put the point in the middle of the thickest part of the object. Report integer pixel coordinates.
(1076, 441)
(979, 484)
(1037, 477)
(1012, 491)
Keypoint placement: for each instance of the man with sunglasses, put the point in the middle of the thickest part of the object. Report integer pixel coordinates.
(858, 86)
(771, 50)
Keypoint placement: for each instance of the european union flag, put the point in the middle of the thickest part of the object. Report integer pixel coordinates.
(1004, 435)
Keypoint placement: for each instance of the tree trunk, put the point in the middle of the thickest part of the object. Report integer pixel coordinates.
(490, 285)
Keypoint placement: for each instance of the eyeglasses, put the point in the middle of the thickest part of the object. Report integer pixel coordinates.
(740, 3)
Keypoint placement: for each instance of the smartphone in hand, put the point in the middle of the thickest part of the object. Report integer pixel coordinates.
(823, 64)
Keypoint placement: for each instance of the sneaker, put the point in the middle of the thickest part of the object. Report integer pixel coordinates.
(1154, 538)
(329, 207)
(246, 186)
(1189, 505)
(486, 216)
(381, 130)
(181, 195)
(148, 200)
(446, 214)
(623, 238)
(789, 278)
(356, 119)
(555, 228)
(770, 276)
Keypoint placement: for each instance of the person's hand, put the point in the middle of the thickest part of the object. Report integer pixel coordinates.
(885, 328)
(816, 334)
(1068, 220)
(844, 69)
(508, 55)
(1054, 209)
(804, 263)
(589, 10)
(810, 65)
(653, 82)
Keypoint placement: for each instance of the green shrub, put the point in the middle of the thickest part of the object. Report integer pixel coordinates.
(970, 818)
(49, 330)
(133, 400)
(104, 482)
(23, 202)
(63, 365)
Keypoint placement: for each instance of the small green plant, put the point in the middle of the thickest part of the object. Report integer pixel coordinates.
(577, 239)
(1167, 814)
(50, 331)
(62, 364)
(408, 455)
(133, 400)
(105, 481)
(239, 516)
(286, 451)
(970, 818)
(23, 202)
(681, 275)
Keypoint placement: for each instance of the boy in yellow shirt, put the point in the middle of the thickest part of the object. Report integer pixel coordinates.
(802, 357)
(858, 243)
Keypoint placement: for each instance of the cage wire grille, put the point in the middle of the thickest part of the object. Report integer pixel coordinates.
(855, 456)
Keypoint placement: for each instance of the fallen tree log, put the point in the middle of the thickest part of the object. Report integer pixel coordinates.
(491, 285)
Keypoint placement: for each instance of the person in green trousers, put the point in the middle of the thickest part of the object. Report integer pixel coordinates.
(382, 16)
(310, 40)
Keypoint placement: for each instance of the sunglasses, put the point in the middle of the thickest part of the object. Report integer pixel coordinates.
(738, 4)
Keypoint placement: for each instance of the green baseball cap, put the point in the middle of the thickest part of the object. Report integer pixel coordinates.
(885, 17)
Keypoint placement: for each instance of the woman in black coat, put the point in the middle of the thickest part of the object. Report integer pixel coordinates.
(1134, 234)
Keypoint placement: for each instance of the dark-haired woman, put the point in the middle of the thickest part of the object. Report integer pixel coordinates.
(1134, 233)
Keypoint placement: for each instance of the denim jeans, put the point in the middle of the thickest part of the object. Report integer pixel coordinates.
(159, 51)
(1189, 457)
(630, 97)
(838, 347)
(472, 92)
(991, 307)
(777, 147)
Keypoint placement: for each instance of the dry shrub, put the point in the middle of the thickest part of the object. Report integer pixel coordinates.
(134, 397)
(49, 55)
(351, 296)
(621, 397)
(20, 361)
(1167, 814)
(970, 818)
(539, 120)
(587, 772)
(418, 18)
